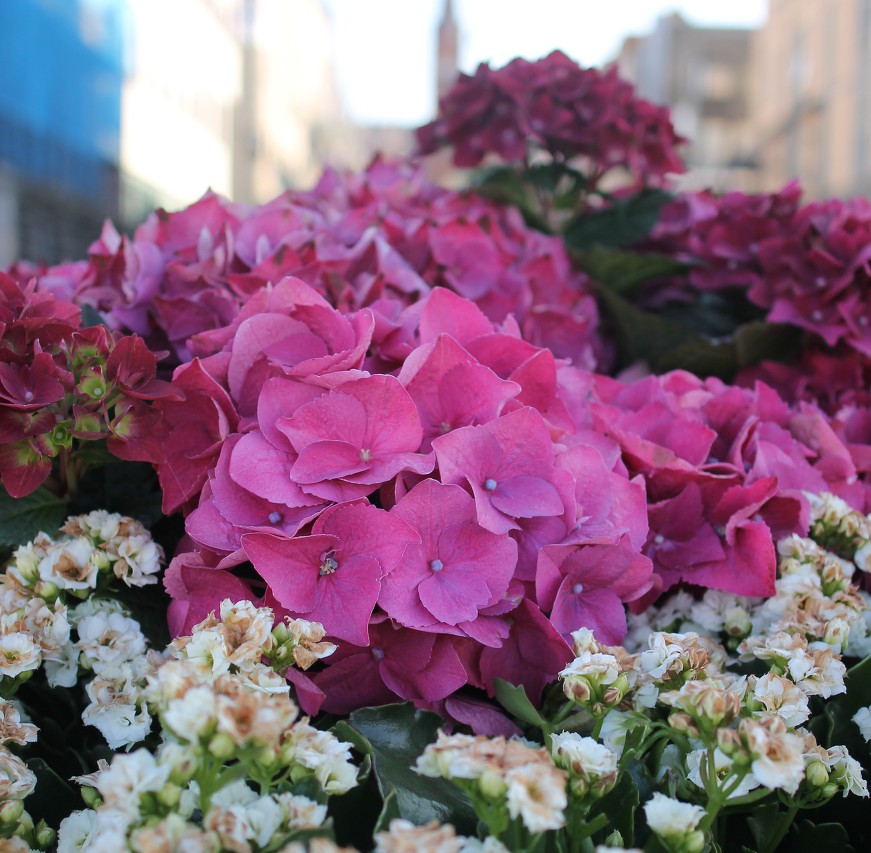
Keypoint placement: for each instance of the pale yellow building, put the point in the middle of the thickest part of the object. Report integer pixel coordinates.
(704, 75)
(812, 97)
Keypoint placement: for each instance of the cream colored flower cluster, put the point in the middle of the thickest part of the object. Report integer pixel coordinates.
(41, 618)
(507, 778)
(226, 717)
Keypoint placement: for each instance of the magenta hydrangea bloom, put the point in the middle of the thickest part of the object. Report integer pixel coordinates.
(398, 664)
(450, 388)
(457, 570)
(354, 438)
(508, 464)
(333, 576)
(585, 587)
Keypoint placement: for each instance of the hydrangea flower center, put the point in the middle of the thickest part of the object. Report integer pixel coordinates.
(365, 454)
(378, 653)
(490, 484)
(329, 564)
(578, 588)
(436, 565)
(274, 517)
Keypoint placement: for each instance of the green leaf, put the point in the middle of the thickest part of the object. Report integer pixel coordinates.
(514, 700)
(396, 735)
(763, 824)
(619, 804)
(508, 186)
(838, 726)
(621, 223)
(22, 518)
(389, 811)
(91, 316)
(624, 271)
(809, 837)
(53, 798)
(759, 341)
(130, 488)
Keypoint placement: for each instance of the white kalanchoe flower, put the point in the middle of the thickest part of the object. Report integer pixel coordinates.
(582, 755)
(777, 755)
(18, 653)
(138, 560)
(846, 772)
(670, 818)
(17, 781)
(12, 729)
(537, 795)
(192, 714)
(405, 837)
(109, 640)
(91, 831)
(862, 718)
(115, 710)
(723, 765)
(780, 697)
(128, 777)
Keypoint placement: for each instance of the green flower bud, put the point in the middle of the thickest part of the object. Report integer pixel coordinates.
(694, 842)
(222, 746)
(11, 811)
(169, 795)
(48, 591)
(44, 836)
(817, 775)
(92, 797)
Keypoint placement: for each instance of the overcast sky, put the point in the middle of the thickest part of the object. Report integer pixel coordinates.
(385, 49)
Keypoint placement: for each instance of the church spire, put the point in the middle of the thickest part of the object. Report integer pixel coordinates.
(448, 53)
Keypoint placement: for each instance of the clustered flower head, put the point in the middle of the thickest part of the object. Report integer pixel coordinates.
(507, 778)
(555, 106)
(62, 384)
(806, 266)
(225, 716)
(52, 606)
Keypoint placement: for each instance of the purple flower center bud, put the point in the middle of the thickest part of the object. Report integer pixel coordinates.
(490, 484)
(436, 565)
(365, 454)
(274, 517)
(28, 396)
(329, 565)
(578, 588)
(658, 539)
(378, 653)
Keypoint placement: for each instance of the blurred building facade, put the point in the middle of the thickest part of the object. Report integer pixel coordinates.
(812, 116)
(61, 76)
(705, 75)
(110, 108)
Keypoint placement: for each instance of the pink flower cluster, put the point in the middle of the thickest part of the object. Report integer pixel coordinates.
(448, 522)
(556, 106)
(381, 239)
(451, 520)
(61, 384)
(725, 470)
(808, 266)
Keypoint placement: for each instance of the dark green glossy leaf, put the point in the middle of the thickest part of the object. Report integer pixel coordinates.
(624, 271)
(763, 824)
(809, 837)
(22, 518)
(53, 798)
(621, 223)
(620, 804)
(514, 700)
(389, 811)
(396, 735)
